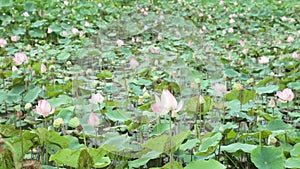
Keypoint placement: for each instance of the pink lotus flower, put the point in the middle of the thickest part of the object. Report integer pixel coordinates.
(66, 3)
(285, 95)
(230, 30)
(167, 103)
(154, 50)
(14, 38)
(49, 30)
(14, 68)
(242, 43)
(284, 18)
(93, 120)
(231, 21)
(263, 60)
(201, 99)
(133, 63)
(26, 14)
(159, 36)
(74, 31)
(3, 42)
(96, 98)
(272, 103)
(292, 20)
(245, 51)
(43, 68)
(64, 33)
(224, 32)
(20, 58)
(294, 55)
(43, 108)
(290, 39)
(219, 89)
(120, 42)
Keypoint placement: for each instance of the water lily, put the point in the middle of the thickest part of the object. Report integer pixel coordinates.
(43, 108)
(167, 103)
(285, 95)
(20, 58)
(93, 120)
(96, 98)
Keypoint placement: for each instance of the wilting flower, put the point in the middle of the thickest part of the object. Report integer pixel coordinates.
(285, 95)
(14, 38)
(43, 68)
(20, 58)
(133, 63)
(96, 98)
(3, 42)
(263, 60)
(219, 89)
(43, 108)
(120, 42)
(167, 103)
(93, 120)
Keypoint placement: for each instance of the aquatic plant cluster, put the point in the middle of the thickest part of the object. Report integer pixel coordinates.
(182, 84)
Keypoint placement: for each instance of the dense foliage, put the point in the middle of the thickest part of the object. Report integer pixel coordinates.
(149, 84)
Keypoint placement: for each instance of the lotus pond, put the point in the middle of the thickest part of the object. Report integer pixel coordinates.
(187, 84)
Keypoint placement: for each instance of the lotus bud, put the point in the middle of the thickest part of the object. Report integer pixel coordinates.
(28, 106)
(17, 107)
(68, 63)
(271, 140)
(146, 95)
(155, 78)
